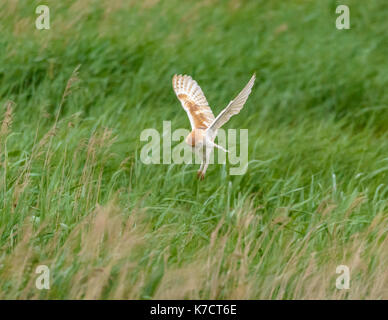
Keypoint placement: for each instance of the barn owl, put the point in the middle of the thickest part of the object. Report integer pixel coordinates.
(204, 125)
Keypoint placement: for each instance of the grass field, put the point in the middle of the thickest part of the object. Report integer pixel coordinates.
(75, 196)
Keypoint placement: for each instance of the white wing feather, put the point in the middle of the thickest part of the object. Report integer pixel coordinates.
(193, 101)
(233, 108)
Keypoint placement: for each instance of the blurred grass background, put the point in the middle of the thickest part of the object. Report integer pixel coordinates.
(75, 196)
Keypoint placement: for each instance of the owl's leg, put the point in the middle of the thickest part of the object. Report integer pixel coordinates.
(206, 162)
(201, 155)
(199, 172)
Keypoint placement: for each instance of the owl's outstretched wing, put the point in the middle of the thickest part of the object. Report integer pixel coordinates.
(233, 107)
(193, 101)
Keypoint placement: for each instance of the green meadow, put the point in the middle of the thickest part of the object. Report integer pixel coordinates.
(76, 197)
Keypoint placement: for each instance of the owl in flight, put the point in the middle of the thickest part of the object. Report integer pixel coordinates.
(203, 124)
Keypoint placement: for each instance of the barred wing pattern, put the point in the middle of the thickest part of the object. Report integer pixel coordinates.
(193, 101)
(233, 108)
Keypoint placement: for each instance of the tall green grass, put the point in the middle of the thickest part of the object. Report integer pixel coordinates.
(75, 196)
